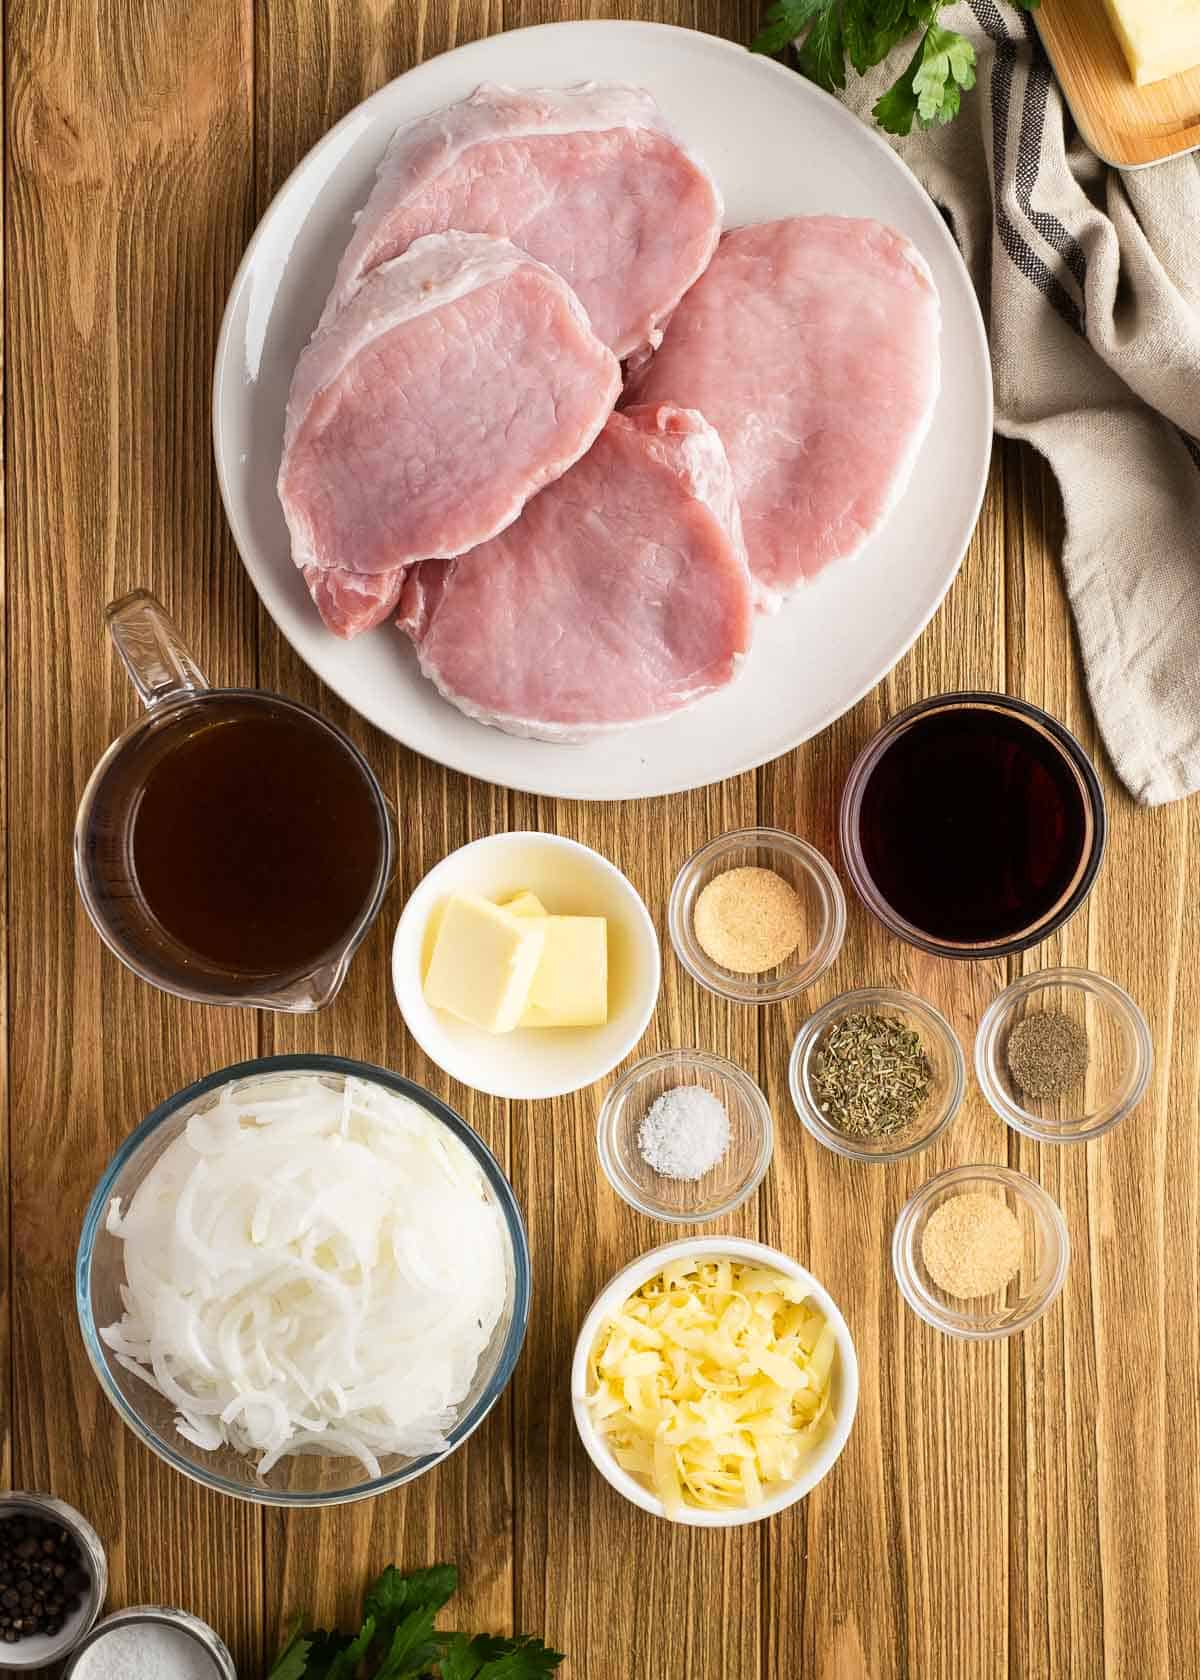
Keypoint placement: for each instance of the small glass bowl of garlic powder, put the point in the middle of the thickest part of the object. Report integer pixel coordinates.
(685, 1136)
(757, 915)
(714, 1382)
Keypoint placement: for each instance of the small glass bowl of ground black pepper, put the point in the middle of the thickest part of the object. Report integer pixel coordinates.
(53, 1580)
(1063, 1055)
(877, 1074)
(980, 1252)
(757, 915)
(973, 825)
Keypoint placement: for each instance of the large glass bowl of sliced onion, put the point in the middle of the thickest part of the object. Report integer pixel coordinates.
(715, 1382)
(303, 1280)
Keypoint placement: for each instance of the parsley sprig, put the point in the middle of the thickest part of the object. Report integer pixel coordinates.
(398, 1641)
(832, 34)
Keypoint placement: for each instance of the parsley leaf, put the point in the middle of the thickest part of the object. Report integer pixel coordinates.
(345, 1663)
(413, 1647)
(489, 1657)
(397, 1640)
(931, 85)
(823, 54)
(829, 34)
(324, 1652)
(292, 1661)
(393, 1595)
(785, 20)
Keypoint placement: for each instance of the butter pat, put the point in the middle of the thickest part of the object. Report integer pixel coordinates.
(570, 987)
(484, 962)
(1160, 37)
(524, 904)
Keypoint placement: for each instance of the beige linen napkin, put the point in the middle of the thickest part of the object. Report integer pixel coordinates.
(1089, 280)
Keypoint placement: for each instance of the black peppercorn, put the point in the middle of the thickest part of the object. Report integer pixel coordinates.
(42, 1577)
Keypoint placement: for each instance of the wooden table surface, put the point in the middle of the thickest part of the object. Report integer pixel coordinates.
(1027, 1508)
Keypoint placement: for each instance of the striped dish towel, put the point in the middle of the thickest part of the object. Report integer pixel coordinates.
(1089, 280)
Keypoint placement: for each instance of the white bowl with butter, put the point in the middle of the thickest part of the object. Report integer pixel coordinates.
(485, 963)
(844, 1394)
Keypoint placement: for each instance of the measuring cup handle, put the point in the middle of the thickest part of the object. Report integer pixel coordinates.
(159, 665)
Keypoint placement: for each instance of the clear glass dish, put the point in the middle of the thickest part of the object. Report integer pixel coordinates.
(1120, 1055)
(179, 702)
(1045, 1255)
(804, 869)
(1077, 765)
(679, 1200)
(946, 1061)
(303, 1479)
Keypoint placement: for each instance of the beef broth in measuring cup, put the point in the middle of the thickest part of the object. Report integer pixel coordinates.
(233, 846)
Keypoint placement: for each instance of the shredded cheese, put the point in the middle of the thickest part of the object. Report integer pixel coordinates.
(712, 1383)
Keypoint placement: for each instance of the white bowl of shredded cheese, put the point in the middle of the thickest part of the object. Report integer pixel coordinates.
(714, 1382)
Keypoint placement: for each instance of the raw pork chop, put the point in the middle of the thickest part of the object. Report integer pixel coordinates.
(812, 346)
(620, 595)
(589, 180)
(461, 378)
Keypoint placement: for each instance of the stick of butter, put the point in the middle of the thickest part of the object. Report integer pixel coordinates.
(484, 961)
(524, 904)
(1160, 37)
(570, 988)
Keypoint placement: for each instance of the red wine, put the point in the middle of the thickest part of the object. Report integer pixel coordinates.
(974, 824)
(257, 839)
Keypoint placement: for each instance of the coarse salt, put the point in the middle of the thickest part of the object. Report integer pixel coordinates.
(146, 1651)
(685, 1133)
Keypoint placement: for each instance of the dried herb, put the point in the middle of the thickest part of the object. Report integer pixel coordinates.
(871, 1075)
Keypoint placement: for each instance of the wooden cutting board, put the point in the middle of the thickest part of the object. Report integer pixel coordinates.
(1126, 125)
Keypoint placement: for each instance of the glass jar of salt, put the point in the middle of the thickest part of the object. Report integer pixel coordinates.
(151, 1642)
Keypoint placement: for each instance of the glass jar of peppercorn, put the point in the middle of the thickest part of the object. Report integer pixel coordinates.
(53, 1579)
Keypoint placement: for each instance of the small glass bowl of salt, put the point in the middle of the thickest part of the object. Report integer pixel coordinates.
(685, 1136)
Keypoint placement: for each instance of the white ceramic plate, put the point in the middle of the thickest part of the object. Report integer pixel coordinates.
(778, 147)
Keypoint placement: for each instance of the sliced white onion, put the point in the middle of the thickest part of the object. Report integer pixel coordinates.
(310, 1268)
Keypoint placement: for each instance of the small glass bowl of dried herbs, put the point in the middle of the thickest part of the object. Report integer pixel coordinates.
(1063, 1055)
(877, 1074)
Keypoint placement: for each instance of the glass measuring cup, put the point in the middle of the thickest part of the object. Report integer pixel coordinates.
(198, 899)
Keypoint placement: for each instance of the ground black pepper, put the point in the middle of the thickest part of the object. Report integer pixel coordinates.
(1048, 1054)
(42, 1577)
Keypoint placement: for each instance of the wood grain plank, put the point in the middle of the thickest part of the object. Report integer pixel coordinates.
(1110, 1487)
(926, 1461)
(127, 187)
(5, 896)
(694, 1596)
(314, 62)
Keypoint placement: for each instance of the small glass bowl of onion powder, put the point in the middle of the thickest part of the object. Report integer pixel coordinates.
(151, 1642)
(685, 1136)
(980, 1252)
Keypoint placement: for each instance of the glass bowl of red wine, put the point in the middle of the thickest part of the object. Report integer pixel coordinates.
(973, 825)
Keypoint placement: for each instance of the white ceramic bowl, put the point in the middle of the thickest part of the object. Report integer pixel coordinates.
(845, 1378)
(570, 879)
